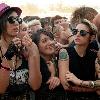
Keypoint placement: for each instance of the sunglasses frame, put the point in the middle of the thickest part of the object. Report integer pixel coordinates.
(12, 19)
(82, 32)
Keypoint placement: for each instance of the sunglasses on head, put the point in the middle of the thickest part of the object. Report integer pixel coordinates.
(13, 19)
(82, 32)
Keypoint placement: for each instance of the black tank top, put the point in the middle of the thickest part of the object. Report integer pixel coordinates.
(82, 67)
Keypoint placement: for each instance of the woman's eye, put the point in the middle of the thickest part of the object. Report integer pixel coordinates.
(44, 40)
(24, 29)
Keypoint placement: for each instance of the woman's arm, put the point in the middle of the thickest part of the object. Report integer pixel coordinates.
(81, 84)
(4, 75)
(35, 77)
(63, 65)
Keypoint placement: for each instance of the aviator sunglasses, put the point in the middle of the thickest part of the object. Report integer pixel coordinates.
(82, 32)
(13, 19)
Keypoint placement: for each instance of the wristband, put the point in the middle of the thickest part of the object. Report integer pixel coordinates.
(91, 84)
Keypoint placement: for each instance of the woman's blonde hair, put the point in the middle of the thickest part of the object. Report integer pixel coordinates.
(92, 27)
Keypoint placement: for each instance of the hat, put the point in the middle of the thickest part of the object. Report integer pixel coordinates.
(4, 7)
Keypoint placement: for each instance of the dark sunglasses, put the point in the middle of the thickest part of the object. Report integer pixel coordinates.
(13, 19)
(82, 32)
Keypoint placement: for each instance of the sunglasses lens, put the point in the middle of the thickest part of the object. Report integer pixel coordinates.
(19, 20)
(11, 20)
(83, 32)
(74, 31)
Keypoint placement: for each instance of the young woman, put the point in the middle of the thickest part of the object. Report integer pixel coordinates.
(50, 88)
(82, 75)
(18, 75)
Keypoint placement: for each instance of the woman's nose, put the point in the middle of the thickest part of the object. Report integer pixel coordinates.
(16, 22)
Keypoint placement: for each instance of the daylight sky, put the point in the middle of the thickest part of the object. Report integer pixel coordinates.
(45, 3)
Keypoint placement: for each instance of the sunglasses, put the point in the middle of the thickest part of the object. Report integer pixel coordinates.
(13, 19)
(82, 32)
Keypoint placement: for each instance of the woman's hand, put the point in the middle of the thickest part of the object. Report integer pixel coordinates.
(17, 42)
(27, 42)
(30, 46)
(53, 82)
(70, 77)
(51, 68)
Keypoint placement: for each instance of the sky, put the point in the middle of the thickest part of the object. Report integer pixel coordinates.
(45, 3)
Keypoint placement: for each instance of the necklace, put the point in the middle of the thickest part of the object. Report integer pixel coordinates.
(15, 62)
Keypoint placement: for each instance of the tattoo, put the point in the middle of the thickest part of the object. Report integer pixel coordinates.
(63, 55)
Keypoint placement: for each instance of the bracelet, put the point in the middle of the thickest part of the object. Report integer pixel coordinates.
(6, 68)
(91, 84)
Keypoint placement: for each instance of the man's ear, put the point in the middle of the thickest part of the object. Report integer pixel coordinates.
(92, 38)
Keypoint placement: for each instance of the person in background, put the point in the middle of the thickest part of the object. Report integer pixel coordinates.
(18, 75)
(62, 33)
(45, 23)
(56, 20)
(27, 19)
(34, 25)
(96, 21)
(82, 13)
(23, 29)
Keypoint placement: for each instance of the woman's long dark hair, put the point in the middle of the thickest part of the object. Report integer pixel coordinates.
(36, 36)
(3, 21)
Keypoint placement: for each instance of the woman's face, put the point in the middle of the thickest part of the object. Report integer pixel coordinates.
(78, 38)
(46, 45)
(23, 30)
(13, 25)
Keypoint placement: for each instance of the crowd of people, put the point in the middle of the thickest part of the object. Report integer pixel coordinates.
(49, 58)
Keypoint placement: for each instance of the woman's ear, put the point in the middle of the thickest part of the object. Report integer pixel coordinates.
(92, 38)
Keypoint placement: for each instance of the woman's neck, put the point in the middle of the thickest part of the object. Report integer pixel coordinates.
(46, 58)
(81, 50)
(6, 40)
